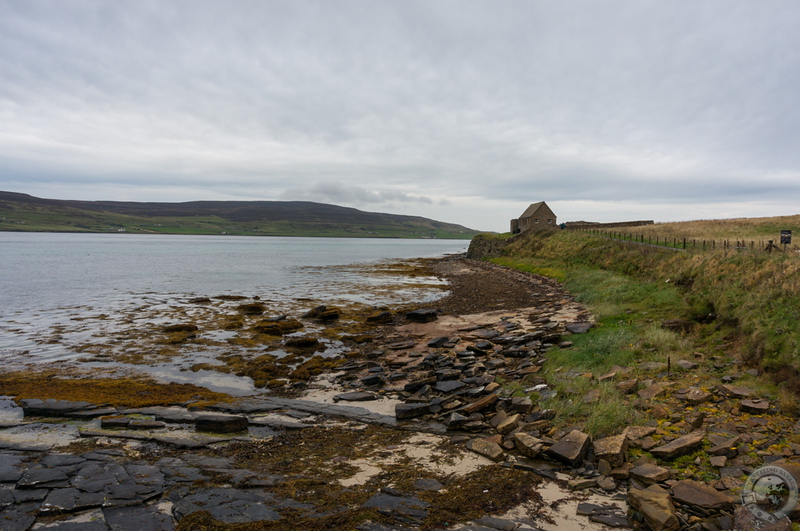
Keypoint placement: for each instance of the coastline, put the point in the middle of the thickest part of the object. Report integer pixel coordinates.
(39, 442)
(422, 423)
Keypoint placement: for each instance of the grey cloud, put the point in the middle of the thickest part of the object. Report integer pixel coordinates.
(337, 192)
(442, 107)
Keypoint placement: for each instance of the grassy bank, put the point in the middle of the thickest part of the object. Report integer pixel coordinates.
(740, 307)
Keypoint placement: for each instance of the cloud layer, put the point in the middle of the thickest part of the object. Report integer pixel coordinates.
(462, 111)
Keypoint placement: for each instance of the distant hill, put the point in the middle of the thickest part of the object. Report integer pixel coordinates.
(22, 212)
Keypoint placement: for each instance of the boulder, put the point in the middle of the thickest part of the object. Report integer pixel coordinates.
(680, 446)
(579, 328)
(656, 507)
(612, 449)
(571, 448)
(422, 316)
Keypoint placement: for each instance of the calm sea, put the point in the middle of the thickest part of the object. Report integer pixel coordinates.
(50, 282)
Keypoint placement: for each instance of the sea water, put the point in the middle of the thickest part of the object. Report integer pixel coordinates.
(58, 290)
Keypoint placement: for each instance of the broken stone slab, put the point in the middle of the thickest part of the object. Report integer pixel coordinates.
(410, 411)
(405, 507)
(756, 406)
(35, 478)
(228, 505)
(649, 473)
(219, 423)
(571, 448)
(628, 387)
(139, 518)
(33, 407)
(735, 391)
(528, 445)
(449, 386)
(634, 433)
(488, 449)
(508, 424)
(68, 500)
(696, 396)
(356, 396)
(726, 447)
(680, 446)
(688, 492)
(651, 392)
(656, 507)
(613, 449)
(480, 404)
(581, 483)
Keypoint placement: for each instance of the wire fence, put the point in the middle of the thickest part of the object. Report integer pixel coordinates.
(696, 244)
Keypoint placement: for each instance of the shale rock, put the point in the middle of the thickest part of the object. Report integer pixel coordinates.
(571, 448)
(680, 446)
(656, 507)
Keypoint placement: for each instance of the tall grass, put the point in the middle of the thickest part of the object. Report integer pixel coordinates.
(754, 295)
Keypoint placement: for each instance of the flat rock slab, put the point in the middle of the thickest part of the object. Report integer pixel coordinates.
(649, 473)
(755, 406)
(696, 494)
(404, 506)
(138, 519)
(356, 396)
(229, 505)
(680, 446)
(33, 407)
(736, 391)
(651, 392)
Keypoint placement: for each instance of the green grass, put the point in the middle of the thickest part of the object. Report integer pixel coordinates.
(743, 306)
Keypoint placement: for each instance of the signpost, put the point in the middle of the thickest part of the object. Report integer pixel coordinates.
(786, 238)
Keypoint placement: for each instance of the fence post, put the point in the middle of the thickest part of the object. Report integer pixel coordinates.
(684, 243)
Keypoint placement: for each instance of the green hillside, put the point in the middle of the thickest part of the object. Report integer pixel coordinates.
(21, 212)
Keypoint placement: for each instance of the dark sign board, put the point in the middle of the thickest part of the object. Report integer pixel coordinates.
(786, 237)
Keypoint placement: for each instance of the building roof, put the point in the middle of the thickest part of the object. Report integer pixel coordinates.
(531, 210)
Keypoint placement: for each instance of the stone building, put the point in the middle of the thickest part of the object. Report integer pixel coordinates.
(536, 216)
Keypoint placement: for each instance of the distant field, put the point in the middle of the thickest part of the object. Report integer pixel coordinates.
(721, 229)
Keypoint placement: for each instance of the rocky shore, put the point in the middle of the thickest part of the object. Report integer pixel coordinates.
(431, 419)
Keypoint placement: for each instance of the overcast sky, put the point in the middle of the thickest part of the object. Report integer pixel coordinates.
(462, 111)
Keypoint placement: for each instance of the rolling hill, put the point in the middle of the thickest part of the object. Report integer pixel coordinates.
(22, 212)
